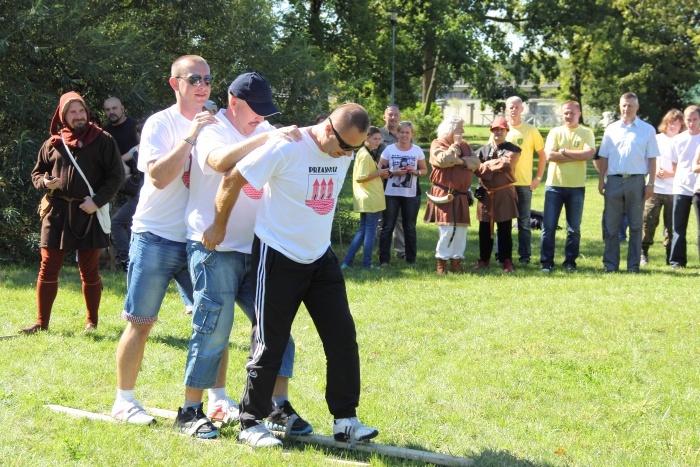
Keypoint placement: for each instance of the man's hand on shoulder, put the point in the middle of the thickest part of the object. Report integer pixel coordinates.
(199, 120)
(290, 133)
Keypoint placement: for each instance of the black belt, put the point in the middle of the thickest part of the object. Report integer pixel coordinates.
(628, 175)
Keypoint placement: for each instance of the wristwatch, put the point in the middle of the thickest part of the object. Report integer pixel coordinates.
(561, 151)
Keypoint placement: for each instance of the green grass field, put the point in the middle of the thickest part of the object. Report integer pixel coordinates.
(524, 369)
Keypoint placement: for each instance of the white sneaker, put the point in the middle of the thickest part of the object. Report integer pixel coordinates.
(224, 411)
(345, 429)
(131, 412)
(259, 436)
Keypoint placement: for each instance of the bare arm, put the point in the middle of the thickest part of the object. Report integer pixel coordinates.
(167, 168)
(696, 161)
(602, 167)
(649, 188)
(422, 168)
(225, 158)
(570, 155)
(541, 165)
(226, 197)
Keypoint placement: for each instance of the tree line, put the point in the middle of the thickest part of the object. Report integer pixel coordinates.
(318, 53)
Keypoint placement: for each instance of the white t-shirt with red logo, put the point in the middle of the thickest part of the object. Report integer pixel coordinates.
(205, 181)
(302, 190)
(162, 211)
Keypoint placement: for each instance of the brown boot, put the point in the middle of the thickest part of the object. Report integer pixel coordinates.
(455, 266)
(33, 329)
(441, 265)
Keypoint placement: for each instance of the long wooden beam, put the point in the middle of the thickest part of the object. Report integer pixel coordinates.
(328, 441)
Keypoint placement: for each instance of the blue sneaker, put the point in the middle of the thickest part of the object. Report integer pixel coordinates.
(193, 422)
(282, 416)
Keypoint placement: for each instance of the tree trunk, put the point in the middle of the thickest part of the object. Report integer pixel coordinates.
(430, 57)
(429, 95)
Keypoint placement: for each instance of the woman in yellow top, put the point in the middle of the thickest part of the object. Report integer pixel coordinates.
(368, 199)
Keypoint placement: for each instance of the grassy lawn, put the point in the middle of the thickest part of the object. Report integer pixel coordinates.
(525, 369)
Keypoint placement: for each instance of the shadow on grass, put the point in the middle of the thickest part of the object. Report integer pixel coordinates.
(485, 458)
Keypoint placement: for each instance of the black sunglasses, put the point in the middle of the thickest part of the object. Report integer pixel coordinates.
(343, 145)
(196, 80)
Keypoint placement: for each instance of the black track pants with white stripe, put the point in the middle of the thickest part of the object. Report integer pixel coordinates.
(281, 285)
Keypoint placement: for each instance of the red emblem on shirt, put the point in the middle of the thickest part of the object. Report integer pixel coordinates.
(322, 196)
(251, 192)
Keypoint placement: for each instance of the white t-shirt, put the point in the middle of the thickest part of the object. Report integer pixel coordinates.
(684, 147)
(402, 185)
(205, 181)
(162, 212)
(664, 186)
(300, 199)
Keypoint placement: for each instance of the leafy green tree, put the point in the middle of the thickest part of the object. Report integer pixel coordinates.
(649, 47)
(125, 48)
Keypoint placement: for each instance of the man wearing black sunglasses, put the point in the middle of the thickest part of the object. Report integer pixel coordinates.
(223, 274)
(294, 264)
(158, 247)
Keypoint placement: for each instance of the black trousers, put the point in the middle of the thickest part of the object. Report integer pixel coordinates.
(281, 286)
(504, 237)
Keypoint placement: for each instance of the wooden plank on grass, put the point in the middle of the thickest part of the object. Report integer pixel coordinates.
(381, 449)
(80, 413)
(162, 413)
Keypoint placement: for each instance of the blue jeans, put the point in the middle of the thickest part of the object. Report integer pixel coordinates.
(220, 279)
(153, 262)
(571, 199)
(365, 238)
(524, 233)
(409, 207)
(121, 227)
(681, 215)
(623, 195)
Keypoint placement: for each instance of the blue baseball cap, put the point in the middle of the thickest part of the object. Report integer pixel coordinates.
(254, 90)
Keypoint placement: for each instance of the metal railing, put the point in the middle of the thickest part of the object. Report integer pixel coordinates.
(544, 120)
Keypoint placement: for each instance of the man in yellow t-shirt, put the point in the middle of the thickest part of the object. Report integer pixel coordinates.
(569, 147)
(530, 141)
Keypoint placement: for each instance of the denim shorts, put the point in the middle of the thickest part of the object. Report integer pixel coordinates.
(220, 279)
(153, 262)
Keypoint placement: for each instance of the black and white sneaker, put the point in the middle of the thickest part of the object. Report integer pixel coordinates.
(258, 436)
(193, 422)
(350, 429)
(281, 417)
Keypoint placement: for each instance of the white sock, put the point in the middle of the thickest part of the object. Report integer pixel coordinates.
(124, 395)
(278, 401)
(189, 404)
(216, 394)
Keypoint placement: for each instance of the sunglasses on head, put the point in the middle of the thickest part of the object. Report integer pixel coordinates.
(196, 80)
(343, 145)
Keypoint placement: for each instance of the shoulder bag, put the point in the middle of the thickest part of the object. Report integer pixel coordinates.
(103, 212)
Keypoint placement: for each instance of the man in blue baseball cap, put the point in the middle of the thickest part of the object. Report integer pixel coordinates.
(223, 274)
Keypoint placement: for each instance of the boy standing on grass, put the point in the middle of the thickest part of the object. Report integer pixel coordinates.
(294, 264)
